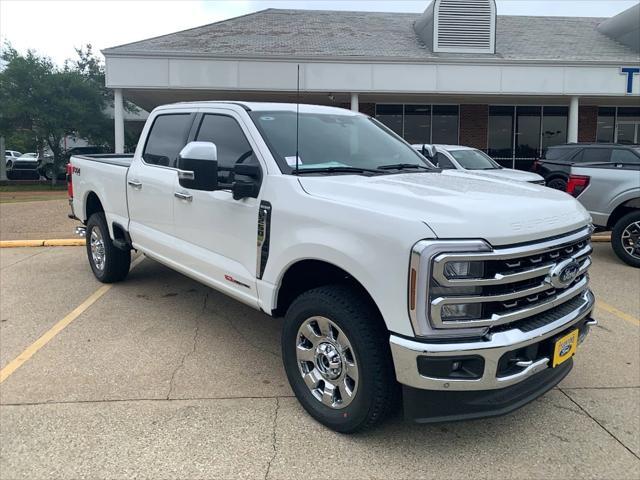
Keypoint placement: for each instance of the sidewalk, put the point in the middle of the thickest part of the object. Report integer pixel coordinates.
(36, 220)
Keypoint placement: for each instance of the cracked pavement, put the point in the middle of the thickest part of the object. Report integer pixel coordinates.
(165, 378)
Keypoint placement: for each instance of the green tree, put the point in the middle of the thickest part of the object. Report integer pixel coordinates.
(41, 101)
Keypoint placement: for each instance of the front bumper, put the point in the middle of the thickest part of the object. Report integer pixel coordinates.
(491, 349)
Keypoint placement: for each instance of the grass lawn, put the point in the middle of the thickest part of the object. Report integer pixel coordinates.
(32, 193)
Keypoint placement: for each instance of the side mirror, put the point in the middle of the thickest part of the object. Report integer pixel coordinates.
(198, 166)
(429, 151)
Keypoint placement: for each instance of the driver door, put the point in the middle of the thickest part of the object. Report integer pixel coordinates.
(217, 234)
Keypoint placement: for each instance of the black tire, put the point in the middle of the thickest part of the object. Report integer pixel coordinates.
(619, 228)
(9, 165)
(116, 262)
(558, 184)
(49, 172)
(377, 392)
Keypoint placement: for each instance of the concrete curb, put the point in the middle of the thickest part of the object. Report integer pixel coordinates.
(79, 242)
(57, 242)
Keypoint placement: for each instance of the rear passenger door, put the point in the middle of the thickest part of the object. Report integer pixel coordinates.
(151, 182)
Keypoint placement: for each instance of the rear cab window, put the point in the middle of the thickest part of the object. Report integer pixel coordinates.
(168, 135)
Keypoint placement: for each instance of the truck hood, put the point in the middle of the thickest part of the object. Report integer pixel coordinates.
(456, 204)
(508, 174)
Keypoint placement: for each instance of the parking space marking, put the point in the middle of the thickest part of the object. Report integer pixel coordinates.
(31, 350)
(618, 313)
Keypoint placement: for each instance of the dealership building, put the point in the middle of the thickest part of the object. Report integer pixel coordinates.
(458, 73)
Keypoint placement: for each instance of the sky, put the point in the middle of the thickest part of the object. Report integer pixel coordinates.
(54, 28)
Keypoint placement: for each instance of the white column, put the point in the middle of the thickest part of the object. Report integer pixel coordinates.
(572, 129)
(355, 107)
(118, 120)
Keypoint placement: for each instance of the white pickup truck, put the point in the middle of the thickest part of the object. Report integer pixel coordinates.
(463, 296)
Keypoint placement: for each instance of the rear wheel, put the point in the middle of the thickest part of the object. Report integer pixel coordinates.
(625, 239)
(558, 184)
(109, 263)
(337, 358)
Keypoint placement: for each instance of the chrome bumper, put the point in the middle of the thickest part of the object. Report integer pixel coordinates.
(406, 352)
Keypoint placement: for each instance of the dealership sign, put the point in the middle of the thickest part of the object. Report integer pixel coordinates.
(629, 72)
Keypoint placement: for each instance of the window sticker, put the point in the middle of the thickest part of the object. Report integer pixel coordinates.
(291, 161)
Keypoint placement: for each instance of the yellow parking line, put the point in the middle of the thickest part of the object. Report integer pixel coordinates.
(31, 350)
(17, 362)
(618, 313)
(54, 242)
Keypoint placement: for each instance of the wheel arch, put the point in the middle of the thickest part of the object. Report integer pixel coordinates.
(305, 274)
(623, 209)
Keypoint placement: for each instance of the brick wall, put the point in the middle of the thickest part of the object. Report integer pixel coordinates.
(587, 123)
(474, 120)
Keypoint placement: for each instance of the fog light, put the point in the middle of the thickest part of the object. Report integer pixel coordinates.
(455, 270)
(461, 311)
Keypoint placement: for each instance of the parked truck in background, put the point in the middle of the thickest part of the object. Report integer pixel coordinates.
(610, 191)
(463, 296)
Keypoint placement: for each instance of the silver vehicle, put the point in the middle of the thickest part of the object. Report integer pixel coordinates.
(472, 160)
(611, 193)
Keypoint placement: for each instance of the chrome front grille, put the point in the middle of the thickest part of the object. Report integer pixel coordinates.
(515, 282)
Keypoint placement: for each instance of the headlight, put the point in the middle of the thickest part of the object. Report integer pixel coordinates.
(423, 289)
(453, 270)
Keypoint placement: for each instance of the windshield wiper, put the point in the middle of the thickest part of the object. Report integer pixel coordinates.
(335, 170)
(403, 166)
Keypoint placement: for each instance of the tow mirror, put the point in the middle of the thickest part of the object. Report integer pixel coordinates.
(428, 151)
(198, 166)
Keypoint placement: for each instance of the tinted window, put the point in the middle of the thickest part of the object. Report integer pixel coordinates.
(445, 124)
(501, 132)
(167, 137)
(606, 124)
(619, 155)
(391, 116)
(595, 155)
(554, 126)
(559, 153)
(417, 123)
(443, 162)
(230, 141)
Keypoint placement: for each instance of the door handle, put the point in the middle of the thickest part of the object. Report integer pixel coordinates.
(183, 196)
(135, 184)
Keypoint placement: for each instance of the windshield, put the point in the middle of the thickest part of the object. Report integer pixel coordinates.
(335, 142)
(474, 160)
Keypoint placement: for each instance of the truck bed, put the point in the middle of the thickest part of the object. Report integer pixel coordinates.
(120, 159)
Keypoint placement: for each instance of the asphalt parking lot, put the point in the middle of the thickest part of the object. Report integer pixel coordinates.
(163, 377)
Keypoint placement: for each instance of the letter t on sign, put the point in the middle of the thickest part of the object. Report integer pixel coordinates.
(629, 72)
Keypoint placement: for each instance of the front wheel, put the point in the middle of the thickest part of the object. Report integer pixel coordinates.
(337, 358)
(625, 239)
(109, 263)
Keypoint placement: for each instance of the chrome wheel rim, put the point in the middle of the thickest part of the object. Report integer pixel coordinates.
(631, 239)
(327, 362)
(96, 244)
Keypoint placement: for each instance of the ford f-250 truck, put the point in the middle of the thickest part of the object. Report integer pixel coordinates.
(464, 297)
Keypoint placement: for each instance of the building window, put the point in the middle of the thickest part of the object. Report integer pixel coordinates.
(520, 134)
(417, 123)
(501, 134)
(421, 123)
(391, 116)
(554, 126)
(445, 124)
(606, 124)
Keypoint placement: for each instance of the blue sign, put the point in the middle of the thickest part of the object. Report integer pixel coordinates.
(629, 72)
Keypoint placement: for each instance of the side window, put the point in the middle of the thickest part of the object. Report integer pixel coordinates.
(595, 155)
(443, 162)
(230, 141)
(167, 137)
(619, 155)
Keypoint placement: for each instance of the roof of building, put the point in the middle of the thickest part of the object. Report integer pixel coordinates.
(378, 35)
